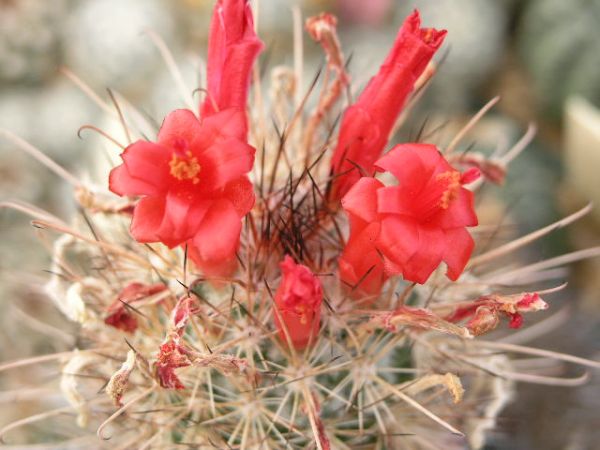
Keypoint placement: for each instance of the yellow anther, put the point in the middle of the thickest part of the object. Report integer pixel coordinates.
(186, 168)
(452, 180)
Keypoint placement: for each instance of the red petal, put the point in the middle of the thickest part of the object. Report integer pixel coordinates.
(430, 250)
(218, 236)
(361, 200)
(229, 122)
(394, 200)
(144, 172)
(411, 164)
(182, 217)
(414, 42)
(148, 162)
(460, 213)
(240, 193)
(122, 319)
(470, 175)
(237, 71)
(301, 332)
(147, 217)
(398, 240)
(212, 268)
(459, 246)
(180, 126)
(516, 320)
(233, 48)
(122, 183)
(226, 160)
(173, 228)
(360, 265)
(171, 356)
(360, 143)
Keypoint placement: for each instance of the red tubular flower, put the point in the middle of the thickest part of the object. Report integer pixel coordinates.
(410, 228)
(233, 47)
(298, 301)
(119, 316)
(367, 124)
(192, 181)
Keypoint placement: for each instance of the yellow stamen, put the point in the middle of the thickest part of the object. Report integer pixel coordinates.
(452, 178)
(428, 35)
(186, 168)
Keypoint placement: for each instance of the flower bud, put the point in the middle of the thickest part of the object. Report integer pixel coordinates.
(298, 301)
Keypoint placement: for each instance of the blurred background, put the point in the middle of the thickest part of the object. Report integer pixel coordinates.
(541, 56)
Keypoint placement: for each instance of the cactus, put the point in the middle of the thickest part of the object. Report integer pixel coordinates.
(267, 341)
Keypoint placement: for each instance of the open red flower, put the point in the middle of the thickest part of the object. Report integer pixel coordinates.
(233, 46)
(298, 301)
(412, 227)
(192, 181)
(367, 124)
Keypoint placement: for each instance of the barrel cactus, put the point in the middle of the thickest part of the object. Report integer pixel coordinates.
(258, 277)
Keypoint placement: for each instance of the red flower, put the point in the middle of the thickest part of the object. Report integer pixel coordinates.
(298, 301)
(367, 124)
(192, 181)
(119, 316)
(410, 228)
(233, 47)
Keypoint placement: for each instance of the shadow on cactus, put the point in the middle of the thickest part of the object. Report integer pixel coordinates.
(265, 278)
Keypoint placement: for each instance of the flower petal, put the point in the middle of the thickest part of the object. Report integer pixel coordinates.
(179, 127)
(149, 162)
(459, 246)
(415, 43)
(226, 160)
(212, 268)
(431, 248)
(122, 183)
(360, 143)
(398, 241)
(411, 164)
(240, 193)
(182, 217)
(233, 48)
(460, 213)
(394, 200)
(237, 72)
(361, 265)
(229, 122)
(361, 200)
(147, 217)
(218, 235)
